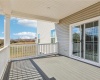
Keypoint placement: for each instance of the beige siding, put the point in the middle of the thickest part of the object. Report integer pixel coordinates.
(87, 13)
(44, 29)
(63, 26)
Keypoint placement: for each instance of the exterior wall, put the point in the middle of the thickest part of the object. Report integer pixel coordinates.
(44, 29)
(62, 27)
(63, 39)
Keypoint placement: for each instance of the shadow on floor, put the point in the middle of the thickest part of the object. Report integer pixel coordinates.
(45, 77)
(25, 70)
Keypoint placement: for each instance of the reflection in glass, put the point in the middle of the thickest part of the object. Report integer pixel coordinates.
(76, 40)
(91, 41)
(53, 35)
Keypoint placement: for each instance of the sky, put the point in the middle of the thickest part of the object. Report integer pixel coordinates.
(19, 28)
(89, 31)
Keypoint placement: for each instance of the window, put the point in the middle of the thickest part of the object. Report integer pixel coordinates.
(53, 35)
(38, 38)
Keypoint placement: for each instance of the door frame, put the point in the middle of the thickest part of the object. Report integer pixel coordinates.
(71, 37)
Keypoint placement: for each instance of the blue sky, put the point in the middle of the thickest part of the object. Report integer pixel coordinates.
(19, 28)
(1, 26)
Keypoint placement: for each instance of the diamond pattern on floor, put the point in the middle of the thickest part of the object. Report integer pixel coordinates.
(24, 70)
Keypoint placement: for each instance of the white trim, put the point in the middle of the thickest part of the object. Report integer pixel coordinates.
(84, 41)
(80, 40)
(85, 60)
(70, 40)
(99, 40)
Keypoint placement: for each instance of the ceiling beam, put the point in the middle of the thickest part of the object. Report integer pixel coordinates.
(31, 16)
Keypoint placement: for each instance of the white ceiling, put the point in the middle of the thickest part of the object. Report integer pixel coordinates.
(52, 10)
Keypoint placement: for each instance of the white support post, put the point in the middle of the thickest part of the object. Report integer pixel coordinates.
(7, 35)
(7, 31)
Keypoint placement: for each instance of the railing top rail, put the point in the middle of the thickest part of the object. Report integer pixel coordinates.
(22, 45)
(3, 48)
(31, 44)
(47, 43)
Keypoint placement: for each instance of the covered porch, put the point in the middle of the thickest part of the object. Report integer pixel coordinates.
(44, 61)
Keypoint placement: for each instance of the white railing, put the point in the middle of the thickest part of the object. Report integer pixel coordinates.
(4, 58)
(32, 50)
(18, 51)
(48, 48)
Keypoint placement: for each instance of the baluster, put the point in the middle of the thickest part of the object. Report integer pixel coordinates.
(52, 48)
(49, 48)
(11, 53)
(41, 49)
(22, 52)
(31, 50)
(16, 50)
(35, 49)
(46, 48)
(38, 48)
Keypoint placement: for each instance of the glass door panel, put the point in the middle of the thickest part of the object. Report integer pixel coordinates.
(91, 41)
(76, 40)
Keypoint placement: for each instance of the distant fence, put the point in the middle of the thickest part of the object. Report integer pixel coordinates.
(32, 50)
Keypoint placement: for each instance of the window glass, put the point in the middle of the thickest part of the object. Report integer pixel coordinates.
(76, 40)
(38, 36)
(53, 33)
(91, 42)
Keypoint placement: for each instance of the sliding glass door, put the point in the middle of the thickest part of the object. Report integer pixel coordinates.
(85, 41)
(91, 41)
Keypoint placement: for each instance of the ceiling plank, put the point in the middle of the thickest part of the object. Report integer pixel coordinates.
(6, 6)
(31, 16)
